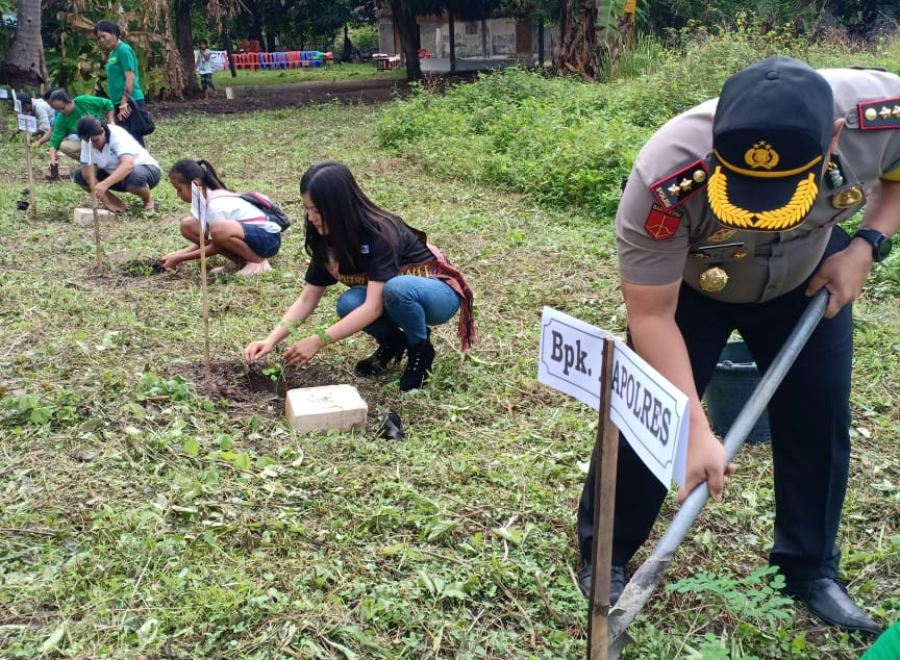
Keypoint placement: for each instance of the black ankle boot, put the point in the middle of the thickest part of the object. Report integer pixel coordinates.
(390, 348)
(418, 366)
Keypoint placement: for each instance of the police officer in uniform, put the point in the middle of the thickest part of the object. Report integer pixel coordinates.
(728, 221)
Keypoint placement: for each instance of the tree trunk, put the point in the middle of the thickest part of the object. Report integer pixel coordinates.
(452, 28)
(24, 64)
(185, 43)
(579, 47)
(408, 28)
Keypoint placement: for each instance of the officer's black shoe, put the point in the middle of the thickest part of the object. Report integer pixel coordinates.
(617, 581)
(828, 599)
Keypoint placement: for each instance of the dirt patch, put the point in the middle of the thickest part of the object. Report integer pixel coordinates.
(141, 267)
(249, 98)
(286, 95)
(240, 384)
(259, 388)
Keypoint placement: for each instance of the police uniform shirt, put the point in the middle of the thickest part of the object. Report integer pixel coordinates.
(666, 230)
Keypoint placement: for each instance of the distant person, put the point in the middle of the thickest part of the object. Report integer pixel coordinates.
(64, 136)
(43, 114)
(235, 228)
(121, 164)
(205, 69)
(123, 81)
(399, 283)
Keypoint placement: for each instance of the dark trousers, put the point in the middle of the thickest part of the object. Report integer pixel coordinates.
(128, 124)
(809, 416)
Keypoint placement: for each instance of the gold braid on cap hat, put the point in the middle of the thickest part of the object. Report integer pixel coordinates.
(786, 217)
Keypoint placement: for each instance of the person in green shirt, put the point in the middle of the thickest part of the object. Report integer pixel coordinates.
(123, 81)
(887, 647)
(70, 111)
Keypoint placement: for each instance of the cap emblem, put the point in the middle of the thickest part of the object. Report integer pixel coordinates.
(761, 155)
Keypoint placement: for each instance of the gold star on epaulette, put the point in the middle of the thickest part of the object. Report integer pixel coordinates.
(874, 115)
(678, 187)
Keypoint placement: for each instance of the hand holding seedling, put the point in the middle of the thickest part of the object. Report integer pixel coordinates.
(257, 349)
(101, 188)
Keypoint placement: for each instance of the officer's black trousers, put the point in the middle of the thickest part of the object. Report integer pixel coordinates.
(809, 418)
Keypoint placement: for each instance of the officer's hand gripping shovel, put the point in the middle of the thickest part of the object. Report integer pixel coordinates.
(642, 583)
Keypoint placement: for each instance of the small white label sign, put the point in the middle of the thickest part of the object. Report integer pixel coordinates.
(22, 122)
(198, 205)
(4, 93)
(30, 124)
(571, 358)
(650, 411)
(17, 105)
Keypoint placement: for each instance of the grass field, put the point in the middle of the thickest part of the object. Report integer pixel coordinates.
(331, 73)
(146, 514)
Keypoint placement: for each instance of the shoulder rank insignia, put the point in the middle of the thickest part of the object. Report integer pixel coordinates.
(679, 187)
(662, 223)
(874, 115)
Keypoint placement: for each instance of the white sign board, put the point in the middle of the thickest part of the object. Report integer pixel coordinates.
(28, 123)
(651, 412)
(17, 104)
(4, 93)
(198, 206)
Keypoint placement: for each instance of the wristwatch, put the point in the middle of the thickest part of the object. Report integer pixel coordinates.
(881, 244)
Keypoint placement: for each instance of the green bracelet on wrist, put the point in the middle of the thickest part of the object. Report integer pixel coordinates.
(323, 336)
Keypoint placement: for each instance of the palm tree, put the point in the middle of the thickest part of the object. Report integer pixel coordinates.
(25, 65)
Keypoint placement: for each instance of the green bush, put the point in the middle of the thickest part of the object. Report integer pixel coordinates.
(564, 142)
(551, 139)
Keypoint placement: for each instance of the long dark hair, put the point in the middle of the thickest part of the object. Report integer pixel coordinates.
(187, 170)
(345, 210)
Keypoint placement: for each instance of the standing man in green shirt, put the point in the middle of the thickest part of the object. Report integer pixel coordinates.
(123, 81)
(70, 111)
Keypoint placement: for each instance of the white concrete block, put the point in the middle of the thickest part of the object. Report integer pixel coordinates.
(85, 217)
(338, 407)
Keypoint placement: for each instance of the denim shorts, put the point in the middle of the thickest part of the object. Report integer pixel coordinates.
(264, 243)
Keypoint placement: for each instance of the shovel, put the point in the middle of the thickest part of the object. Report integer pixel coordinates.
(642, 583)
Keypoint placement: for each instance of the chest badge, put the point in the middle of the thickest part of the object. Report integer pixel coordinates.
(722, 235)
(713, 279)
(848, 198)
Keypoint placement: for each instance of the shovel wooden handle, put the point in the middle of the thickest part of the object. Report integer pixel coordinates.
(645, 579)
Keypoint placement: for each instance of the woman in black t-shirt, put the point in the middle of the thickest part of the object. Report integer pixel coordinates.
(399, 284)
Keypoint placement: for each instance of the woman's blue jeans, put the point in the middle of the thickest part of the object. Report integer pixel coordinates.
(411, 303)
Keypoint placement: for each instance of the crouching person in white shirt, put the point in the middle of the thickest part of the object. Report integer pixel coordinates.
(120, 163)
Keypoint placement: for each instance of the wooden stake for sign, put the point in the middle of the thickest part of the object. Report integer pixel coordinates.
(30, 167)
(202, 210)
(604, 512)
(93, 185)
